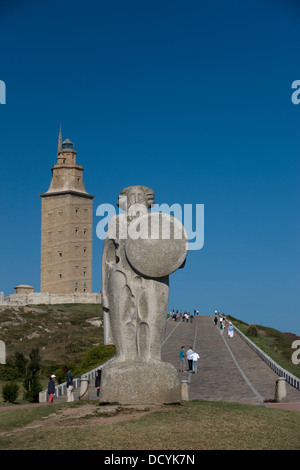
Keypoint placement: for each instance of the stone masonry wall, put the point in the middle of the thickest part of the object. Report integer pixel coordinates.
(47, 298)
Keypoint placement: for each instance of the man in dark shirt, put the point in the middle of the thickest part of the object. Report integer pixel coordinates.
(70, 395)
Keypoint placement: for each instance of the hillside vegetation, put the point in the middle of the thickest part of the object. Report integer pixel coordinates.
(70, 334)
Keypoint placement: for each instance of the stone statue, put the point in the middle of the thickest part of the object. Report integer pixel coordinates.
(141, 250)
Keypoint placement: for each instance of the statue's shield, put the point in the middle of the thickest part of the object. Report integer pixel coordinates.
(157, 244)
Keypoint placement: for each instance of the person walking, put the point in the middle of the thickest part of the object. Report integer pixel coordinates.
(51, 388)
(69, 378)
(98, 382)
(189, 355)
(230, 330)
(195, 357)
(182, 359)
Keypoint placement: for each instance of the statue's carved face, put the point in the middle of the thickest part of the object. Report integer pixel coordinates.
(136, 199)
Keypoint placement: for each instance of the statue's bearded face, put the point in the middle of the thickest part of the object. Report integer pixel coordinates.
(136, 198)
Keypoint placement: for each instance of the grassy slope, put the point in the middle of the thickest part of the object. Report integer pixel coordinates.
(63, 334)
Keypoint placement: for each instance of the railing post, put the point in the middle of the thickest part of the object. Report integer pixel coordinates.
(280, 391)
(184, 390)
(84, 389)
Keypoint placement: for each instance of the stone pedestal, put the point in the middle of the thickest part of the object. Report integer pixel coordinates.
(140, 383)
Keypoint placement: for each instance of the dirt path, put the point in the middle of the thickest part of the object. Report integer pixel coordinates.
(88, 415)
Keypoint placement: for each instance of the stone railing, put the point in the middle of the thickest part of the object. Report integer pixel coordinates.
(280, 371)
(91, 375)
(61, 389)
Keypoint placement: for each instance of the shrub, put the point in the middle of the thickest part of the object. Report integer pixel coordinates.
(252, 331)
(10, 392)
(31, 380)
(20, 363)
(8, 371)
(97, 355)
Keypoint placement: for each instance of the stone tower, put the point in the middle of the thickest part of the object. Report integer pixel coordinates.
(67, 224)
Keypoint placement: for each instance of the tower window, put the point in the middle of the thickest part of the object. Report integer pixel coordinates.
(60, 276)
(60, 254)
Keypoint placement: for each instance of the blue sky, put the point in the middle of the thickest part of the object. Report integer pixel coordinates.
(192, 99)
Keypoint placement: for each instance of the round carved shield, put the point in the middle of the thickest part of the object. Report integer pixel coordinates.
(157, 244)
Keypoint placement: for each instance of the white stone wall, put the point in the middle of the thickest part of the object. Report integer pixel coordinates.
(47, 298)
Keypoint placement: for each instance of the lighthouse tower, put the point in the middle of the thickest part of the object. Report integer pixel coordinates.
(66, 232)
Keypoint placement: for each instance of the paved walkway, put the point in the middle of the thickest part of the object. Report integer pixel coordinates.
(228, 370)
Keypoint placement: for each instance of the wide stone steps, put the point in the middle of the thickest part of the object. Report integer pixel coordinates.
(228, 369)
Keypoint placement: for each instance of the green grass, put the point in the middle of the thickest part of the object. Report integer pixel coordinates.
(195, 425)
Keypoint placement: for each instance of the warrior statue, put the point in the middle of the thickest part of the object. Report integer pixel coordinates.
(141, 250)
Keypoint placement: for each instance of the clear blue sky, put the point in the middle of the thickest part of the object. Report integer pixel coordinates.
(190, 98)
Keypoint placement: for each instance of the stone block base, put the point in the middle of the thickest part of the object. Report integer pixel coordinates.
(140, 383)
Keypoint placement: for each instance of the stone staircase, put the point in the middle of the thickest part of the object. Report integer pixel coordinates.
(228, 369)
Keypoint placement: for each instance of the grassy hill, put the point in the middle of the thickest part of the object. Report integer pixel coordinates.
(69, 334)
